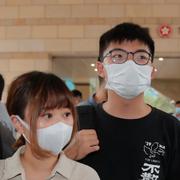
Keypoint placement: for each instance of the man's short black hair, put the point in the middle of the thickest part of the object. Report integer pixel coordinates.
(125, 32)
(76, 93)
(1, 85)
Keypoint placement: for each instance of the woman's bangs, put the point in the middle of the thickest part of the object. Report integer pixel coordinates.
(57, 100)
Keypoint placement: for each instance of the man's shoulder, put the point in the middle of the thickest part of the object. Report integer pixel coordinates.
(164, 115)
(85, 106)
(166, 119)
(86, 117)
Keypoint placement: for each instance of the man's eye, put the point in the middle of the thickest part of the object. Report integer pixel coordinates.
(143, 58)
(117, 56)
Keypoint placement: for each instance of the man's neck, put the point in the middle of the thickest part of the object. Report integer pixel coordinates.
(100, 96)
(128, 109)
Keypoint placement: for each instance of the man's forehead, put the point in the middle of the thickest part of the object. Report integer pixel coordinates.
(127, 45)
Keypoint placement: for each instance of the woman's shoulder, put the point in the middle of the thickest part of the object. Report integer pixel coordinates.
(2, 167)
(79, 170)
(85, 172)
(11, 167)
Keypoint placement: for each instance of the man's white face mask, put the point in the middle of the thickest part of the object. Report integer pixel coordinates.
(129, 79)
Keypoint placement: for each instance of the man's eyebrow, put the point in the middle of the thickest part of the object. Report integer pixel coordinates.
(142, 50)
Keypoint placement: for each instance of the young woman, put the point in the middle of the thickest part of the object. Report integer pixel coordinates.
(42, 111)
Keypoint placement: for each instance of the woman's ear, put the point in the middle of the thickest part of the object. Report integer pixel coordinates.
(17, 124)
(100, 69)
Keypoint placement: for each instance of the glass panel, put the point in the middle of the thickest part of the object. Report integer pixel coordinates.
(79, 72)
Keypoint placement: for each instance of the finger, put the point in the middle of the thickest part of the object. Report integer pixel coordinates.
(88, 144)
(87, 132)
(88, 150)
(92, 142)
(88, 138)
(93, 149)
(83, 153)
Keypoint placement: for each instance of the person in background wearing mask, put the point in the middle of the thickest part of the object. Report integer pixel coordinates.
(77, 97)
(177, 114)
(99, 96)
(42, 111)
(132, 140)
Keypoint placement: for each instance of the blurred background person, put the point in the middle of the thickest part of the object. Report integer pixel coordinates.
(7, 132)
(177, 110)
(99, 96)
(77, 97)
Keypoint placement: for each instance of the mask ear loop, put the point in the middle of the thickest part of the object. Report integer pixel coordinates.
(25, 125)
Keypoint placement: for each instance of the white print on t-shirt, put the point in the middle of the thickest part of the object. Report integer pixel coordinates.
(154, 149)
(151, 166)
(150, 171)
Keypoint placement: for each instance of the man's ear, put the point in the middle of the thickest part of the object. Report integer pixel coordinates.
(154, 72)
(18, 126)
(100, 69)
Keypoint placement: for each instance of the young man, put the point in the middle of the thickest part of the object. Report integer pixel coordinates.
(132, 140)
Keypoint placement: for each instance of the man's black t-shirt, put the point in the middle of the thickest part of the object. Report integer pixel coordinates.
(138, 149)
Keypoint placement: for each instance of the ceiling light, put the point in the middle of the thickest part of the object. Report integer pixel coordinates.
(155, 70)
(161, 59)
(95, 69)
(92, 65)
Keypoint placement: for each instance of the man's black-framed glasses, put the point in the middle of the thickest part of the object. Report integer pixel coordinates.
(120, 56)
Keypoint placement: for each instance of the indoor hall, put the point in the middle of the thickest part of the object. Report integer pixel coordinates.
(62, 37)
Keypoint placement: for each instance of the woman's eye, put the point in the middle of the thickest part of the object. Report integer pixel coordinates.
(48, 115)
(67, 114)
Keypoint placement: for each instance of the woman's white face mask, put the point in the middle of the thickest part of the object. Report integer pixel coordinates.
(128, 80)
(53, 138)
